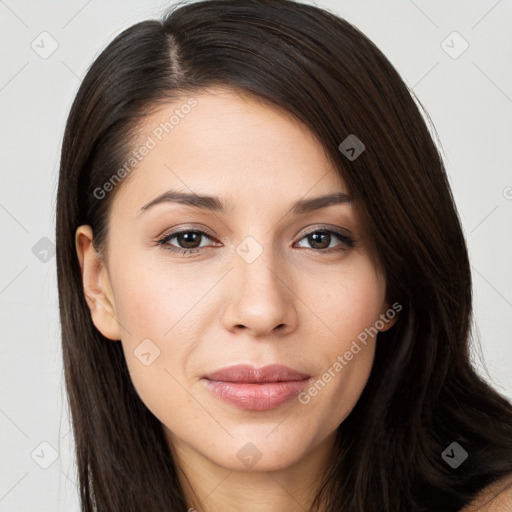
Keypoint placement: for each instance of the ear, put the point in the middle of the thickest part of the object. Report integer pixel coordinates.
(389, 316)
(96, 283)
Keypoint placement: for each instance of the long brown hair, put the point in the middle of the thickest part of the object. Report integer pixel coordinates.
(423, 393)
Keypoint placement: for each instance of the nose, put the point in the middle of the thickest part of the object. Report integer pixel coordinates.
(262, 301)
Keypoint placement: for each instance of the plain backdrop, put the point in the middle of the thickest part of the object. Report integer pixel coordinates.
(464, 79)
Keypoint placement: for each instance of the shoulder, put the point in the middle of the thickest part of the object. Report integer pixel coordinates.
(496, 497)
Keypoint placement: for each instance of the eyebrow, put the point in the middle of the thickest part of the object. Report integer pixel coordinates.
(216, 204)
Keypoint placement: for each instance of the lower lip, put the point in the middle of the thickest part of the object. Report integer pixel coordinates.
(256, 397)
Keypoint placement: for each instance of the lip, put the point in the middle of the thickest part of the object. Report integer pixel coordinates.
(251, 374)
(257, 389)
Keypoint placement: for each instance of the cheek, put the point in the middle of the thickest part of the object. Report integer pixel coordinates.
(350, 309)
(159, 315)
(151, 302)
(154, 344)
(352, 303)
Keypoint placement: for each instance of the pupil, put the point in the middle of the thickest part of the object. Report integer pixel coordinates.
(188, 240)
(314, 237)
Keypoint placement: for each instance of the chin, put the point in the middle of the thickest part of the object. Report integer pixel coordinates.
(255, 450)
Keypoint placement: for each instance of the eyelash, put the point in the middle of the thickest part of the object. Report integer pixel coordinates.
(346, 241)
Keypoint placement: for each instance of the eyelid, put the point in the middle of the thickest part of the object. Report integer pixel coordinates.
(340, 231)
(186, 229)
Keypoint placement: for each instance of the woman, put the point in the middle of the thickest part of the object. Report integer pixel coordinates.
(264, 287)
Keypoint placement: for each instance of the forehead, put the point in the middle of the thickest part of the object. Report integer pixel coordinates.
(232, 145)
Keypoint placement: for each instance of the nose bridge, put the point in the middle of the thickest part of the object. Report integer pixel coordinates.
(260, 300)
(256, 267)
(262, 266)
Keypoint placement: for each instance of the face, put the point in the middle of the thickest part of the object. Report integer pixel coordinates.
(190, 290)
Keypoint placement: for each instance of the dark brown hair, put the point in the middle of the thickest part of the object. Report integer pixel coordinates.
(423, 392)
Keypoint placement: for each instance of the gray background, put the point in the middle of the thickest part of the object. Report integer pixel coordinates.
(468, 96)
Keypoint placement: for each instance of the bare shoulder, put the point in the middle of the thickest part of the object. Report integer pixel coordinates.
(496, 497)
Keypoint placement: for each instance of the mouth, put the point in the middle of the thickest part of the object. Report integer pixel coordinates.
(250, 388)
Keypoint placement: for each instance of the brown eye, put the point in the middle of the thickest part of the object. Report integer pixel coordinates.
(187, 241)
(320, 240)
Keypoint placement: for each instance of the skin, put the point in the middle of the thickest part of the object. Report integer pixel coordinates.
(496, 497)
(214, 309)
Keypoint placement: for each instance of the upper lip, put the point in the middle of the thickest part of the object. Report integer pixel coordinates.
(249, 373)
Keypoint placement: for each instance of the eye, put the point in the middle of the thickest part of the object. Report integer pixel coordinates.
(190, 241)
(320, 240)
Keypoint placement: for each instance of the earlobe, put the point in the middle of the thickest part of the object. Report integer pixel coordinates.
(96, 285)
(389, 317)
